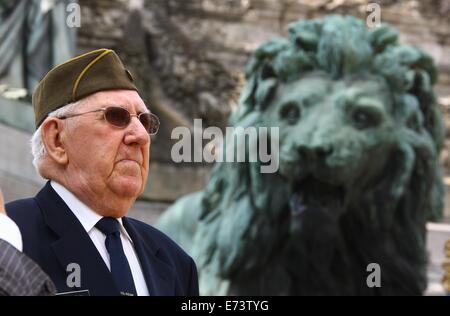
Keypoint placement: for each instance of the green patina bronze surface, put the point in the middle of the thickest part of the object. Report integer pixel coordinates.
(360, 134)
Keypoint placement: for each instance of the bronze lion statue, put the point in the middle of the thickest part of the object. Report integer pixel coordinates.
(359, 138)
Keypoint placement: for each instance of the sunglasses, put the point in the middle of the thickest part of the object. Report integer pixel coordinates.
(120, 117)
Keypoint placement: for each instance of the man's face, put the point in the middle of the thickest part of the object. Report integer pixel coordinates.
(107, 162)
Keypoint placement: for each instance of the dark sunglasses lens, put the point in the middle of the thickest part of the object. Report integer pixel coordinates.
(117, 116)
(150, 122)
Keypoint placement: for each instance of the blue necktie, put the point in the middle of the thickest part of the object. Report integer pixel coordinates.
(120, 269)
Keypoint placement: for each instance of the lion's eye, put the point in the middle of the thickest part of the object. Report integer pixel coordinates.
(364, 119)
(290, 112)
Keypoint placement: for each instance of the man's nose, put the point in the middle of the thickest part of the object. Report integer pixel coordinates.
(136, 133)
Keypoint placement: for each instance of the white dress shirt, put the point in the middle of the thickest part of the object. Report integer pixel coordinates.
(10, 232)
(88, 218)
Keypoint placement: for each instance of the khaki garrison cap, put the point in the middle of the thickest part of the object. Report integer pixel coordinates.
(77, 78)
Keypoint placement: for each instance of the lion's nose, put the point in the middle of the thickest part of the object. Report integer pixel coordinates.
(315, 152)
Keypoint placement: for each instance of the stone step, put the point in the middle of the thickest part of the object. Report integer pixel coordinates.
(437, 236)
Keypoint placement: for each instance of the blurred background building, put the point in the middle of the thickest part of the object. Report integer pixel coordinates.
(188, 58)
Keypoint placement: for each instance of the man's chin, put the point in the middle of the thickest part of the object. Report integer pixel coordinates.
(128, 187)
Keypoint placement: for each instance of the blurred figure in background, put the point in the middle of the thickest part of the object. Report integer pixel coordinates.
(19, 275)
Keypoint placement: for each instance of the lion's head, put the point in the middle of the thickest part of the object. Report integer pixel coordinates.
(360, 134)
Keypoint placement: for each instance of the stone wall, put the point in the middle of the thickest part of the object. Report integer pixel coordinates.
(188, 40)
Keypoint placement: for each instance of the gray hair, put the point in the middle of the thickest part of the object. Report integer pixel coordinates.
(37, 146)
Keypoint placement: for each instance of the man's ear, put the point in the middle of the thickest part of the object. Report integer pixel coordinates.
(51, 133)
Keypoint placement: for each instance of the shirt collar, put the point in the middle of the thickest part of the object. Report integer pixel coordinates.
(85, 215)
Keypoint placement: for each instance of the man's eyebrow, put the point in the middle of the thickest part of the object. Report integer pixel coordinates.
(128, 107)
(146, 110)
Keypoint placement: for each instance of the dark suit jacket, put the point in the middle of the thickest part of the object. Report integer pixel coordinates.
(20, 276)
(54, 238)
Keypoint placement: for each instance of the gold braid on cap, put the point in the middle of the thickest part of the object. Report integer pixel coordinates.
(77, 82)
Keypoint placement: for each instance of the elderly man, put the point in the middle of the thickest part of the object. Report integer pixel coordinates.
(93, 144)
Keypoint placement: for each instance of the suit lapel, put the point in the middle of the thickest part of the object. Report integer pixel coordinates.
(159, 276)
(74, 245)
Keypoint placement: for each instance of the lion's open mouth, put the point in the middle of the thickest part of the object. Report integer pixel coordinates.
(314, 195)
